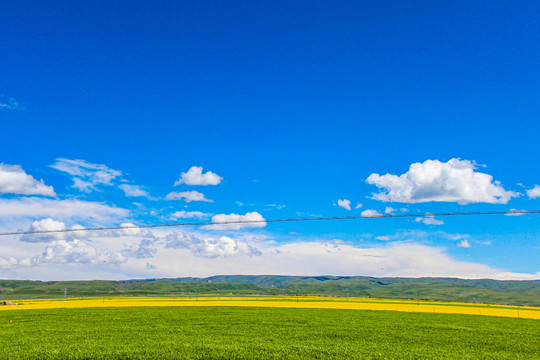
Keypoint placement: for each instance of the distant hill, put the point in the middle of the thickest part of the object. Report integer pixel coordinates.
(441, 289)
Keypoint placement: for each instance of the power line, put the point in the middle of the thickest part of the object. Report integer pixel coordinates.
(208, 223)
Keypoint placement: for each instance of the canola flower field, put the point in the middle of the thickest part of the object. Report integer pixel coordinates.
(312, 302)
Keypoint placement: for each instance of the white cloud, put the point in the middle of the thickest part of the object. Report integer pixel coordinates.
(182, 254)
(188, 196)
(128, 229)
(429, 220)
(133, 190)
(71, 209)
(144, 250)
(47, 224)
(195, 176)
(383, 238)
(432, 180)
(86, 176)
(210, 247)
(534, 192)
(180, 240)
(189, 215)
(389, 210)
(8, 103)
(370, 213)
(253, 219)
(14, 180)
(464, 243)
(75, 252)
(358, 206)
(51, 226)
(224, 247)
(314, 258)
(346, 204)
(125, 230)
(7, 263)
(84, 186)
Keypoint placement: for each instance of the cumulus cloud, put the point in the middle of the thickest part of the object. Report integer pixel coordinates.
(534, 192)
(195, 176)
(144, 250)
(429, 220)
(124, 230)
(224, 247)
(8, 263)
(370, 213)
(464, 244)
(250, 220)
(76, 252)
(14, 180)
(127, 229)
(86, 176)
(346, 204)
(52, 230)
(180, 240)
(188, 196)
(45, 225)
(389, 210)
(210, 247)
(87, 248)
(133, 190)
(432, 180)
(189, 215)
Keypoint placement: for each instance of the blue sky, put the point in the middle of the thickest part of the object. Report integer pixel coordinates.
(270, 110)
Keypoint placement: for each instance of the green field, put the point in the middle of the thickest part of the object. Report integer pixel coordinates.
(261, 333)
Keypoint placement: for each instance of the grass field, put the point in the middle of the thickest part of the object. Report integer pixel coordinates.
(261, 333)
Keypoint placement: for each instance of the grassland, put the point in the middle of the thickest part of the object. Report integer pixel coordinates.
(261, 333)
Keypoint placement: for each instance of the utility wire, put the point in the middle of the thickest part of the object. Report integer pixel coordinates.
(208, 223)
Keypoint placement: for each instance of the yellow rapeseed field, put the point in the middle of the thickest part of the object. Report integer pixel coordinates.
(313, 302)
